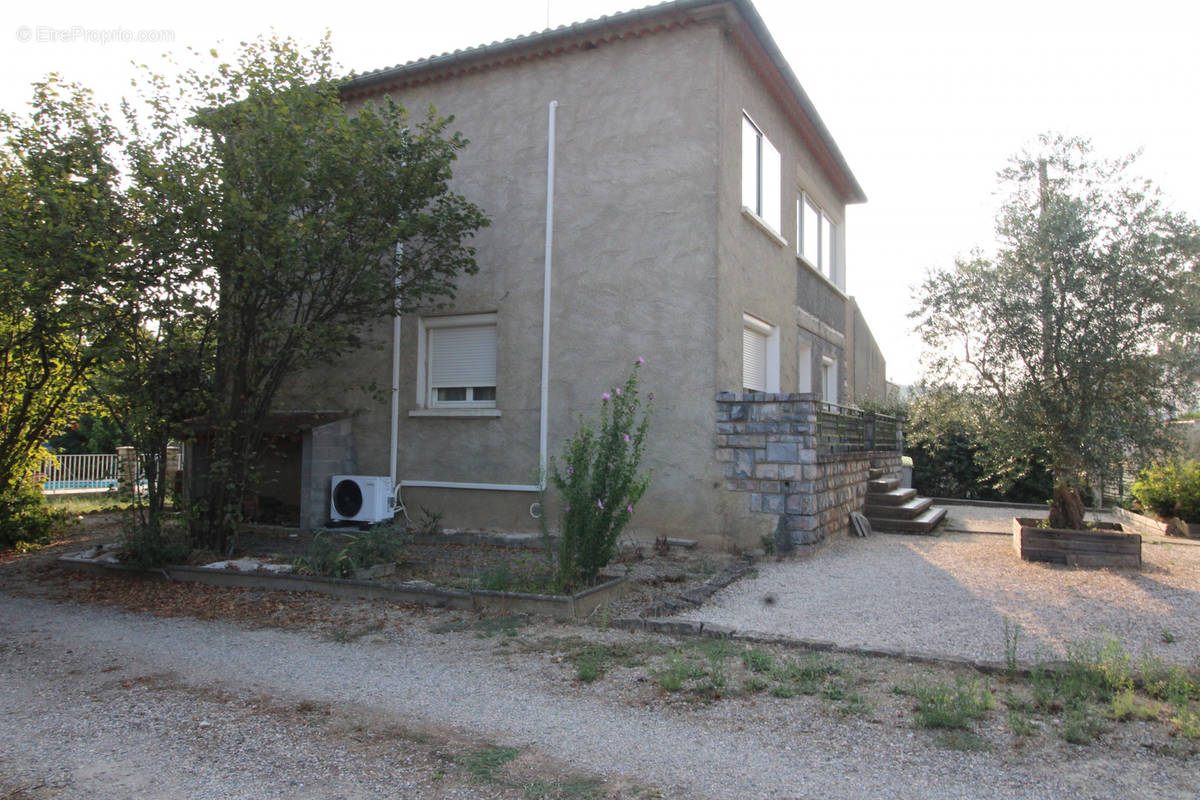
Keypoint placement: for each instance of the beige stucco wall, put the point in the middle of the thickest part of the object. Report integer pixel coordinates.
(758, 274)
(653, 257)
(634, 275)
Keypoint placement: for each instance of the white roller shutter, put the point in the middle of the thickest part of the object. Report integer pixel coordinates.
(754, 360)
(462, 356)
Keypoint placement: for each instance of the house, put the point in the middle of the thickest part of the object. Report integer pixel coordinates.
(663, 174)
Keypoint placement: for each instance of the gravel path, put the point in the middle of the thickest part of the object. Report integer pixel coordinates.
(949, 595)
(80, 717)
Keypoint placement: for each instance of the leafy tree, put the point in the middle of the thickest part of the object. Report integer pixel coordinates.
(949, 435)
(310, 224)
(64, 274)
(1081, 332)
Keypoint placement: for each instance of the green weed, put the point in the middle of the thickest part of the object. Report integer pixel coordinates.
(1020, 725)
(961, 740)
(1188, 724)
(484, 764)
(679, 671)
(753, 685)
(1080, 725)
(758, 661)
(573, 789)
(589, 664)
(940, 706)
(347, 635)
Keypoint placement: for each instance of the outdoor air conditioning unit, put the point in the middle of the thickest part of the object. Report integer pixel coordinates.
(361, 498)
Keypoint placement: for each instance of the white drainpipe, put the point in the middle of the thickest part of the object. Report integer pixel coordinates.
(544, 415)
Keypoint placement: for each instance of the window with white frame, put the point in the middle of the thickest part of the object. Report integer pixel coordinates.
(762, 173)
(816, 236)
(459, 361)
(760, 355)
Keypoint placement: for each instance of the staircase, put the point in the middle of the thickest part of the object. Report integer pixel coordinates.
(896, 510)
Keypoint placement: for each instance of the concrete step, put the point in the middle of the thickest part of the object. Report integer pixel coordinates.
(923, 524)
(896, 497)
(909, 510)
(875, 473)
(881, 485)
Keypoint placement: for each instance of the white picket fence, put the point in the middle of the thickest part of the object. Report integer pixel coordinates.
(77, 473)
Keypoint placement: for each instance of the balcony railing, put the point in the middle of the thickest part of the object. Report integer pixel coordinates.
(842, 429)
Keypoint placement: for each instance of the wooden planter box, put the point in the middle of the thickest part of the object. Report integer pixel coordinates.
(1105, 545)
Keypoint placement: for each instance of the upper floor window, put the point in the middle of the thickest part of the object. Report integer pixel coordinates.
(762, 172)
(816, 237)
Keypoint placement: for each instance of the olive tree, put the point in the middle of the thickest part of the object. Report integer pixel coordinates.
(1080, 332)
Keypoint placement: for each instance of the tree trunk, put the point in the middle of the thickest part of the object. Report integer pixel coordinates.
(1066, 510)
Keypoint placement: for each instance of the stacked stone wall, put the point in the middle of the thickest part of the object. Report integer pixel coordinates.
(769, 446)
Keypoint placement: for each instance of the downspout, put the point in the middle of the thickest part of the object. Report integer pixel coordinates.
(544, 412)
(544, 421)
(395, 438)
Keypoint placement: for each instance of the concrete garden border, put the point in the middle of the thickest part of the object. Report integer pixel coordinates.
(1149, 526)
(572, 606)
(1104, 545)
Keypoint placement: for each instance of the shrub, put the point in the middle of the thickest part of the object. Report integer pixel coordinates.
(340, 556)
(599, 482)
(25, 519)
(146, 545)
(1170, 490)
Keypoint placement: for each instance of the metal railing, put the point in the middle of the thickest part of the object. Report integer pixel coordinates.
(842, 429)
(87, 472)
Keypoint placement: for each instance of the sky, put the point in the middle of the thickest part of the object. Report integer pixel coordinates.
(927, 100)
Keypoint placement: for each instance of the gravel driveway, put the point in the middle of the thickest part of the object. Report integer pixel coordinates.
(950, 594)
(82, 718)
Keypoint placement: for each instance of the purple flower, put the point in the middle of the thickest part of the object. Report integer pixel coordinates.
(629, 509)
(600, 504)
(641, 361)
(568, 508)
(618, 390)
(626, 435)
(605, 396)
(570, 470)
(651, 395)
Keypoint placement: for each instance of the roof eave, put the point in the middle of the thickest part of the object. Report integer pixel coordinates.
(382, 80)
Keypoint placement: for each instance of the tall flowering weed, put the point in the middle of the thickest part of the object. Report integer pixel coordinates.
(598, 482)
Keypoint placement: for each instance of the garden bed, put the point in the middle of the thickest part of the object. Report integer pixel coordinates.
(1103, 544)
(571, 606)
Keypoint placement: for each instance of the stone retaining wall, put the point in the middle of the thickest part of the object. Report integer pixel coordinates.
(768, 443)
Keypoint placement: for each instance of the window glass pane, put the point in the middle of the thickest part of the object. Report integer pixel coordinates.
(452, 395)
(812, 235)
(749, 165)
(772, 175)
(483, 393)
(826, 246)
